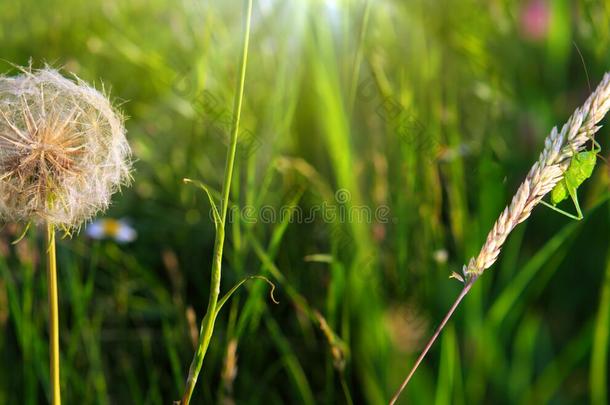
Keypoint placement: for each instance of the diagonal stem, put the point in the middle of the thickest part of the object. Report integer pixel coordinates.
(436, 334)
(53, 316)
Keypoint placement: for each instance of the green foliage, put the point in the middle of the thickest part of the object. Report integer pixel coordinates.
(435, 109)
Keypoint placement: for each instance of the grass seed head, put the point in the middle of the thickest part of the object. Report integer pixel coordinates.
(63, 151)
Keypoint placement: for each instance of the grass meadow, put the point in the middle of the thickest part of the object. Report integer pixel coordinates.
(379, 140)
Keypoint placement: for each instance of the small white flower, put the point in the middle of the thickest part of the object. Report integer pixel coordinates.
(441, 256)
(110, 228)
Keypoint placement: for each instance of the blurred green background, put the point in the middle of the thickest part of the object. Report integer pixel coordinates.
(434, 109)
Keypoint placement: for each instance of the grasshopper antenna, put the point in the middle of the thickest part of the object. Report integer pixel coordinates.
(584, 65)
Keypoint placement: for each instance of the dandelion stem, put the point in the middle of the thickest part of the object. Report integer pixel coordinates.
(207, 324)
(53, 315)
(436, 334)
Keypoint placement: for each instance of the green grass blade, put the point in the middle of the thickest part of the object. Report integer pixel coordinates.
(599, 352)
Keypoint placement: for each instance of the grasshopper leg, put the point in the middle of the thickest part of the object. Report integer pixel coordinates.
(567, 214)
(574, 197)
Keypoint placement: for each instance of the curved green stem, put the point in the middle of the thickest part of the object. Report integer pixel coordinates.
(53, 316)
(207, 324)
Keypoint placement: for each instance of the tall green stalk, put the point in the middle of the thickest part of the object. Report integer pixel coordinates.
(207, 324)
(53, 316)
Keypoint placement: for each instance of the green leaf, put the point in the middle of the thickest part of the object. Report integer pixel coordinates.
(217, 219)
(25, 231)
(228, 295)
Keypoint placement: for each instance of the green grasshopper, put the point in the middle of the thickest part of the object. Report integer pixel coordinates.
(580, 169)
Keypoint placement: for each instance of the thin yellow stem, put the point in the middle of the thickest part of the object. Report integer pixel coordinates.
(53, 316)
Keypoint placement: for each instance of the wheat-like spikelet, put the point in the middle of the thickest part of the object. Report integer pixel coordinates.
(63, 150)
(559, 149)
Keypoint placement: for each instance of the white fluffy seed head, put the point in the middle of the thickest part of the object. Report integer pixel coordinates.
(63, 151)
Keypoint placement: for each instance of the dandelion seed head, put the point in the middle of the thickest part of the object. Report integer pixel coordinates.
(63, 150)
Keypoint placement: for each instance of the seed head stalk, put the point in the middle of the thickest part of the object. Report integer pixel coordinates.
(207, 324)
(53, 316)
(436, 334)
